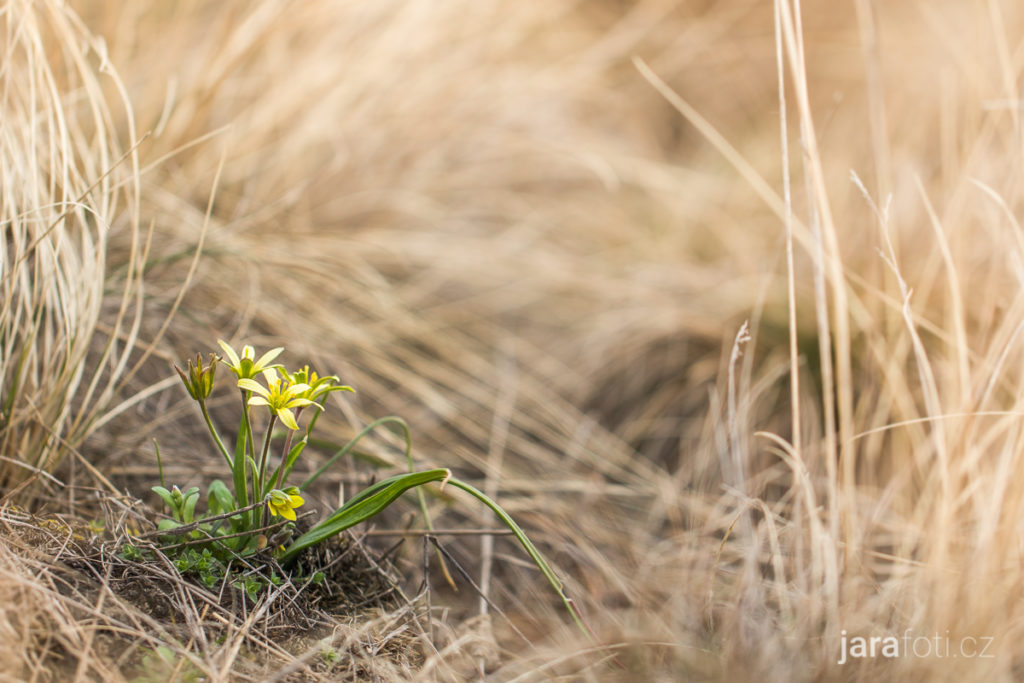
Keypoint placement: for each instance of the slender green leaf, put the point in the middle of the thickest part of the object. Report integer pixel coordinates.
(238, 464)
(375, 498)
(351, 444)
(362, 507)
(159, 463)
(530, 549)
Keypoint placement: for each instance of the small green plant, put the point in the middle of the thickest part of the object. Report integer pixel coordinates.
(257, 512)
(329, 654)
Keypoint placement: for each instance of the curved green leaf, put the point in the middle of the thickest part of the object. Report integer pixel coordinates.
(369, 502)
(344, 450)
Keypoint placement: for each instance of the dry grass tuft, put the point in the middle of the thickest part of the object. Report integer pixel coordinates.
(68, 188)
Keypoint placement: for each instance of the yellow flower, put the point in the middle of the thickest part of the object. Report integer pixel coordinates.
(318, 386)
(245, 366)
(284, 503)
(280, 396)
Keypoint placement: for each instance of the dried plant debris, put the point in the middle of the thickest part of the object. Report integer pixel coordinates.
(149, 618)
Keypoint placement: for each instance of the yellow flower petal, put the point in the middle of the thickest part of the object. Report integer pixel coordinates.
(268, 356)
(297, 402)
(282, 503)
(254, 386)
(288, 418)
(232, 356)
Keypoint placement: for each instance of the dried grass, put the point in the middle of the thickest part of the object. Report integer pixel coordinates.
(69, 186)
(491, 221)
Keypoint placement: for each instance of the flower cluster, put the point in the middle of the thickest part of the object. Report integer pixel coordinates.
(262, 383)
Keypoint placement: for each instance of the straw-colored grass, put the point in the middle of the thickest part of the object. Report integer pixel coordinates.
(68, 187)
(535, 231)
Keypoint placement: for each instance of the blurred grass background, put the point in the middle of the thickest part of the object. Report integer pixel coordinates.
(486, 218)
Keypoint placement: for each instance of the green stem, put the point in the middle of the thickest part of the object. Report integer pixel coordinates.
(286, 468)
(262, 470)
(287, 448)
(316, 416)
(159, 463)
(238, 466)
(213, 431)
(252, 457)
(248, 424)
